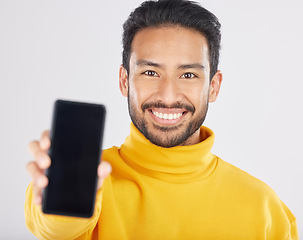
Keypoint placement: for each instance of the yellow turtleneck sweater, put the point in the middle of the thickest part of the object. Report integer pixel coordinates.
(183, 192)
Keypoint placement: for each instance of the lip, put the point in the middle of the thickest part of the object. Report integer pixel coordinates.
(167, 122)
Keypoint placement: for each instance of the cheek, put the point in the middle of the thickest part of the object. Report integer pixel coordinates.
(136, 95)
(197, 95)
(140, 92)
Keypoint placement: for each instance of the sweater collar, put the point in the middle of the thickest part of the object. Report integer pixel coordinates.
(176, 164)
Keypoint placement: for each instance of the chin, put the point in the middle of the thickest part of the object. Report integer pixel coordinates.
(170, 137)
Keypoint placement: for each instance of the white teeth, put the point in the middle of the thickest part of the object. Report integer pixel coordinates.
(168, 116)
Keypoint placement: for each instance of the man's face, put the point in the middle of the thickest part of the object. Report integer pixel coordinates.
(168, 84)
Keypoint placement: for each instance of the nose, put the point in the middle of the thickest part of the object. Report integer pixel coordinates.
(169, 91)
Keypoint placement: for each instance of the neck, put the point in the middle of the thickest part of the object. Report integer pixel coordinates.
(193, 139)
(180, 163)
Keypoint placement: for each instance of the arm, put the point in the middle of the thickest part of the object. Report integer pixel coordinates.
(293, 234)
(294, 230)
(46, 226)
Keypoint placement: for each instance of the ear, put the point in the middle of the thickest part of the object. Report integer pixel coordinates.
(214, 87)
(123, 81)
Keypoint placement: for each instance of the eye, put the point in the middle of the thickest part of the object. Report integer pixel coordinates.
(150, 73)
(188, 75)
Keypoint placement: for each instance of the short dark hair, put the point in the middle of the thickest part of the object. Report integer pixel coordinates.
(183, 13)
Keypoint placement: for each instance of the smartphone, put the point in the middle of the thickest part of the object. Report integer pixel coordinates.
(76, 145)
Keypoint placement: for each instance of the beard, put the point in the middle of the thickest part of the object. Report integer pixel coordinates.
(172, 135)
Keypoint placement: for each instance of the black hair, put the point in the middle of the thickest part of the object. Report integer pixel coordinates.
(182, 13)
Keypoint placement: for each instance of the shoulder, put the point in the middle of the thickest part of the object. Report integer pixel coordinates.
(111, 155)
(242, 179)
(249, 188)
(110, 151)
(254, 197)
(246, 188)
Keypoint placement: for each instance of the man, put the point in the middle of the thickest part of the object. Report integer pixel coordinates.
(164, 182)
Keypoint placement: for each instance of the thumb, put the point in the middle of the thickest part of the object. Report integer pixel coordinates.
(104, 169)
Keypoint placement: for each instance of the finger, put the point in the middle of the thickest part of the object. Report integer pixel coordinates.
(33, 146)
(38, 177)
(38, 199)
(41, 157)
(104, 169)
(39, 180)
(45, 141)
(37, 195)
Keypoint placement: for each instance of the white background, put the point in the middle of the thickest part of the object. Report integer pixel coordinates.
(71, 49)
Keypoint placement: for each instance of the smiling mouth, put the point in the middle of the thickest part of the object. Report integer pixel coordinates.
(167, 116)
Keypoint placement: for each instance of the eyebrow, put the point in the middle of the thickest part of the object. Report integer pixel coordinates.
(192, 65)
(144, 62)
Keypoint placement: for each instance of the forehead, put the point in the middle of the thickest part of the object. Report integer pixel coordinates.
(170, 44)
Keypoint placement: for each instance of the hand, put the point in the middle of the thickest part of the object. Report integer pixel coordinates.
(42, 161)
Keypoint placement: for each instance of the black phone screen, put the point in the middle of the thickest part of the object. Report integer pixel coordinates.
(76, 145)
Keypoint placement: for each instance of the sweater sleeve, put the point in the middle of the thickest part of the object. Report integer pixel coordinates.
(294, 234)
(45, 226)
(294, 230)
